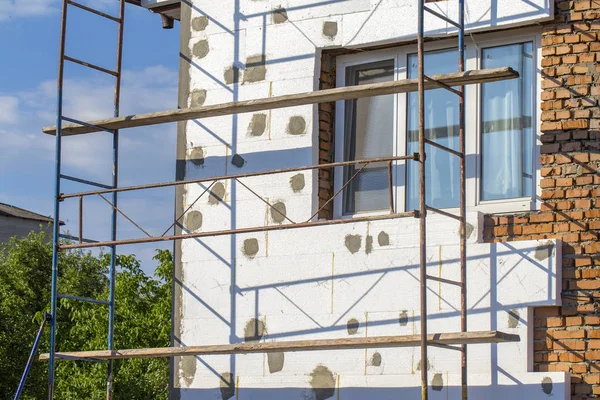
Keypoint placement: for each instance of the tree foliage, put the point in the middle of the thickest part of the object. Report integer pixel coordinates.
(142, 319)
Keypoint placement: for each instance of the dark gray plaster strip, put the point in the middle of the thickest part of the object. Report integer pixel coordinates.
(182, 102)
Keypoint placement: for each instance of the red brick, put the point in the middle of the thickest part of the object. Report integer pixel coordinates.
(594, 333)
(575, 124)
(579, 192)
(581, 5)
(551, 311)
(564, 182)
(592, 355)
(554, 322)
(543, 217)
(564, 334)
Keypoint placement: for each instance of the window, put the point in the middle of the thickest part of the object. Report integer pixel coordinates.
(506, 125)
(500, 131)
(369, 133)
(441, 126)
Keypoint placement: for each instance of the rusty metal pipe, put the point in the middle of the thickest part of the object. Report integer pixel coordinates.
(188, 209)
(251, 174)
(422, 198)
(239, 231)
(338, 192)
(116, 209)
(463, 200)
(391, 187)
(80, 219)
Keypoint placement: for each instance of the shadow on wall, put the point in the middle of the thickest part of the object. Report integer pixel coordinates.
(485, 306)
(329, 390)
(513, 318)
(324, 386)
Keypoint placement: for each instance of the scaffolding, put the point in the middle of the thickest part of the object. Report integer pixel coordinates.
(66, 126)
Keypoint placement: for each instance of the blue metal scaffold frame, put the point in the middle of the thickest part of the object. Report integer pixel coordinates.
(60, 118)
(457, 342)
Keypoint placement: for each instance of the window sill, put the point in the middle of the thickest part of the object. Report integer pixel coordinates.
(363, 214)
(519, 205)
(507, 206)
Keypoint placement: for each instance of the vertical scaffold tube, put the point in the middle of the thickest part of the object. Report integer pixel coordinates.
(422, 202)
(115, 182)
(463, 200)
(56, 222)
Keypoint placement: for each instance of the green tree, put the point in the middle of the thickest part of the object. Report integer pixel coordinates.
(142, 319)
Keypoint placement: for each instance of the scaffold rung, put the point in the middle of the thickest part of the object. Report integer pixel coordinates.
(96, 128)
(75, 238)
(443, 17)
(444, 213)
(442, 147)
(84, 299)
(442, 280)
(92, 66)
(93, 11)
(85, 181)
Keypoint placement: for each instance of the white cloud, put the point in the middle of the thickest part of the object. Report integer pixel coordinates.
(147, 154)
(26, 8)
(153, 88)
(9, 109)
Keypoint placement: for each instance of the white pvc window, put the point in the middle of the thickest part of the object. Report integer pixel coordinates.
(501, 130)
(507, 121)
(441, 126)
(369, 133)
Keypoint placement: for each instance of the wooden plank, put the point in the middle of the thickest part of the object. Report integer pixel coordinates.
(321, 96)
(291, 346)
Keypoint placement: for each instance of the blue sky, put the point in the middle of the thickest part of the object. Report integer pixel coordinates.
(29, 35)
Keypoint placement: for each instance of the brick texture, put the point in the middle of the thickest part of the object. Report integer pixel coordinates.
(567, 338)
(326, 136)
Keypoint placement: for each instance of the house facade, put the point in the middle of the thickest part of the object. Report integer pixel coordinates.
(532, 189)
(15, 221)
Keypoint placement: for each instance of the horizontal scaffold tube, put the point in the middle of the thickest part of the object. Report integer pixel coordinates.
(291, 100)
(239, 231)
(448, 339)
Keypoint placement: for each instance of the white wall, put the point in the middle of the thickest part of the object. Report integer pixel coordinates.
(307, 283)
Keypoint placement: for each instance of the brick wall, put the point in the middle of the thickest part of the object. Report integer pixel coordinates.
(326, 135)
(567, 338)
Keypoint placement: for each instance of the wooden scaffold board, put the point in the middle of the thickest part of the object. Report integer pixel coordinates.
(443, 339)
(321, 96)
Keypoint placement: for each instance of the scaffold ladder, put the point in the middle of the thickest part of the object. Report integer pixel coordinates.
(60, 119)
(424, 208)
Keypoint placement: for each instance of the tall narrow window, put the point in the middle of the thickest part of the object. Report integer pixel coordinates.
(441, 126)
(506, 126)
(369, 133)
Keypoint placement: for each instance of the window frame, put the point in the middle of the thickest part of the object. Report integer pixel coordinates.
(475, 43)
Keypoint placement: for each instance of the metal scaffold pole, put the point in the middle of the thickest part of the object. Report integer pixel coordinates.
(422, 198)
(115, 184)
(60, 118)
(463, 201)
(56, 223)
(461, 154)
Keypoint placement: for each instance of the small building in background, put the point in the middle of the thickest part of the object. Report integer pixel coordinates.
(15, 221)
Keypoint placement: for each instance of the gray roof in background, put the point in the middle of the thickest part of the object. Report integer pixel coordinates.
(16, 212)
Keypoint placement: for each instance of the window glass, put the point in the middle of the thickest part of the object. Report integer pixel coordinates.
(506, 126)
(369, 133)
(441, 126)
